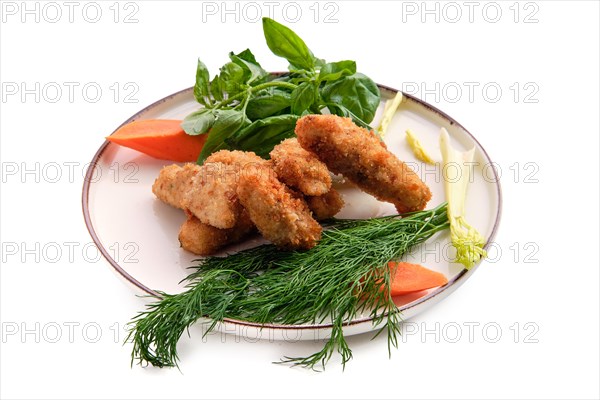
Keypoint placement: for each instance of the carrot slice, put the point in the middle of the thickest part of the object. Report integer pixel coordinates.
(160, 138)
(409, 278)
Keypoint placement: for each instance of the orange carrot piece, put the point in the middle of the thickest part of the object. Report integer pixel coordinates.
(160, 138)
(409, 278)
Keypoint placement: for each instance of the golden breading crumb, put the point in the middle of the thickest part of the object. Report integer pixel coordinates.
(300, 169)
(362, 158)
(279, 216)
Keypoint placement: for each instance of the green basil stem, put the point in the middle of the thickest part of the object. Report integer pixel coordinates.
(242, 106)
(253, 89)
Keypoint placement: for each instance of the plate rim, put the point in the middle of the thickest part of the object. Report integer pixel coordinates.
(447, 289)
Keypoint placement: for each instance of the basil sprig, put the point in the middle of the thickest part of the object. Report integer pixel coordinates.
(246, 108)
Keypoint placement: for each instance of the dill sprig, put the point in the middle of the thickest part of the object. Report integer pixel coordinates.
(337, 280)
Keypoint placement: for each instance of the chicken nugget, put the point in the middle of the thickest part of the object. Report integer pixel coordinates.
(300, 169)
(212, 198)
(363, 159)
(203, 239)
(279, 216)
(326, 205)
(174, 182)
(240, 159)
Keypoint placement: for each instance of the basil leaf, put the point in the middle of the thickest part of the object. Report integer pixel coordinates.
(303, 97)
(233, 78)
(227, 122)
(247, 55)
(198, 122)
(319, 62)
(262, 135)
(202, 88)
(253, 71)
(344, 112)
(283, 42)
(336, 70)
(267, 103)
(357, 93)
(216, 88)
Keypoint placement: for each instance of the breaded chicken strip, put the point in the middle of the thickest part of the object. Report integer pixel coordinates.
(203, 239)
(326, 205)
(322, 207)
(300, 169)
(242, 160)
(279, 216)
(363, 159)
(213, 199)
(174, 182)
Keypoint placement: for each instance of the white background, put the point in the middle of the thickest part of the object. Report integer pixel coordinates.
(547, 275)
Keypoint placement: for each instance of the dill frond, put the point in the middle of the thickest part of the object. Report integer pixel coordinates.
(337, 280)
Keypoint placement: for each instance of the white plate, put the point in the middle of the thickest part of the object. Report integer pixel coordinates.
(137, 234)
